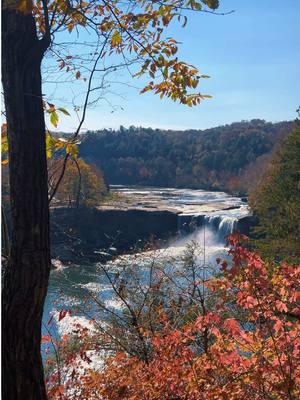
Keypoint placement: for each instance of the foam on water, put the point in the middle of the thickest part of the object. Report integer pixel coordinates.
(95, 287)
(70, 285)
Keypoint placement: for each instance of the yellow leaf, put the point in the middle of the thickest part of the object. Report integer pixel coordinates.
(4, 144)
(116, 39)
(72, 149)
(54, 118)
(49, 144)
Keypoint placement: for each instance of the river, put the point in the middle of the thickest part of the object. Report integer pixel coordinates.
(205, 217)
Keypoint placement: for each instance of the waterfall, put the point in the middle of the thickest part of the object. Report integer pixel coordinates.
(213, 221)
(223, 225)
(227, 226)
(220, 225)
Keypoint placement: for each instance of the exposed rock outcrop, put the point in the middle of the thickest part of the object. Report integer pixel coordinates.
(245, 224)
(95, 234)
(88, 232)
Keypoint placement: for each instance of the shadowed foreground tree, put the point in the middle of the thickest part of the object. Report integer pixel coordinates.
(132, 33)
(26, 278)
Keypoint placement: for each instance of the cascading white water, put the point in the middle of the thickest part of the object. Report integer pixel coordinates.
(219, 225)
(222, 225)
(212, 221)
(227, 226)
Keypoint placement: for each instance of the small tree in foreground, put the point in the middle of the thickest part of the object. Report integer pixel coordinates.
(255, 357)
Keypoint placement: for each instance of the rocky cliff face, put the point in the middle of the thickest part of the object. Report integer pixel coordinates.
(93, 234)
(87, 233)
(245, 224)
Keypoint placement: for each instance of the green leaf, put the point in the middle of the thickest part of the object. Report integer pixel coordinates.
(54, 118)
(165, 72)
(63, 110)
(50, 143)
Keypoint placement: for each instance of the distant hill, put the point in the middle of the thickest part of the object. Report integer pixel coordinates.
(230, 157)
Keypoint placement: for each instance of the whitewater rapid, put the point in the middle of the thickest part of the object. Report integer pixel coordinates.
(204, 218)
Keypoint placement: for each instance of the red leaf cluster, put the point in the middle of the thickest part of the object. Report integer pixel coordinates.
(251, 355)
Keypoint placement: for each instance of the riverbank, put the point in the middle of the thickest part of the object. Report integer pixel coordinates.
(141, 217)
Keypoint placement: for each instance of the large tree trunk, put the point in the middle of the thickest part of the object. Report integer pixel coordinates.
(26, 277)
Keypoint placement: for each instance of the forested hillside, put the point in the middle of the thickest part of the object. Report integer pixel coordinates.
(276, 202)
(231, 157)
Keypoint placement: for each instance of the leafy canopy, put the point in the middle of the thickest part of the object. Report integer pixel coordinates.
(133, 31)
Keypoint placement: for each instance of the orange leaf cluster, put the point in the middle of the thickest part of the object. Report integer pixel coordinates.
(136, 33)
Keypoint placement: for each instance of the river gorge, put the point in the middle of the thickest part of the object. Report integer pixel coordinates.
(117, 233)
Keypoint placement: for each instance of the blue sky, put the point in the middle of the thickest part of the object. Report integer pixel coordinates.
(253, 59)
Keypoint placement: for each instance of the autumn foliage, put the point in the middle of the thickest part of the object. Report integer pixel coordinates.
(252, 346)
(82, 183)
(135, 31)
(230, 158)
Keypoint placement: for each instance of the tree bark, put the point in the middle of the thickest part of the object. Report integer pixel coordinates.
(26, 278)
